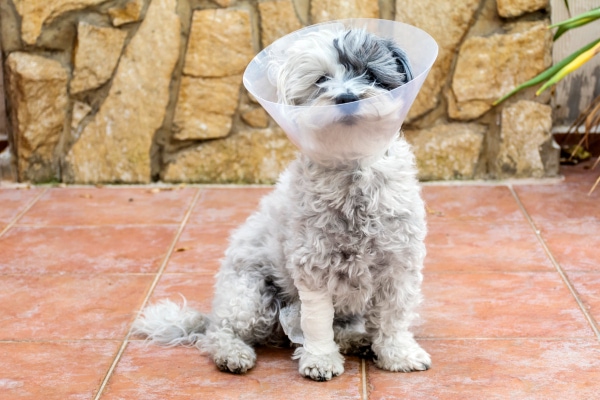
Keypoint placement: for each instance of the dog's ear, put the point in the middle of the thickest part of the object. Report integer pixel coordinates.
(401, 60)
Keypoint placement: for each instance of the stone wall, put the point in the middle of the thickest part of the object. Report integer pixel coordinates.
(136, 91)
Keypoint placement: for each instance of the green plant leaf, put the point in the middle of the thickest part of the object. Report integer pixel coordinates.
(567, 6)
(575, 22)
(547, 74)
(594, 12)
(571, 66)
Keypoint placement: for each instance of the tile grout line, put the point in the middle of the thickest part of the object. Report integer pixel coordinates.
(363, 367)
(171, 249)
(557, 266)
(13, 222)
(157, 277)
(94, 226)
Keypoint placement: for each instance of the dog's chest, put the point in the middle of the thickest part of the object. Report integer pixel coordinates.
(355, 224)
(352, 236)
(342, 224)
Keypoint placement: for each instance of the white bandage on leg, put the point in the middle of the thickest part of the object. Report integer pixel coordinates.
(317, 322)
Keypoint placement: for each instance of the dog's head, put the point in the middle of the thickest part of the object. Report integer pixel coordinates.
(340, 67)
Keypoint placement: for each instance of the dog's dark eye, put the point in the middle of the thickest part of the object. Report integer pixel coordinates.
(322, 79)
(370, 76)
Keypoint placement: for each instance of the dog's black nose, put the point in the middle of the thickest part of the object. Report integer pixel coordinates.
(348, 102)
(346, 98)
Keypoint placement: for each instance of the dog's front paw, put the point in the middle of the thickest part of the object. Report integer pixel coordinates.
(236, 357)
(396, 358)
(319, 367)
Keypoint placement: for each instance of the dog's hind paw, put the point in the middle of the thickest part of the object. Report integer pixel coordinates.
(237, 358)
(403, 359)
(319, 367)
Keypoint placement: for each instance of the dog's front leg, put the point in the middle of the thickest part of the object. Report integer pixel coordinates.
(388, 320)
(319, 358)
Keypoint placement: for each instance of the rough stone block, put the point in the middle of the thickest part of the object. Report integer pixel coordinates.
(36, 13)
(448, 151)
(129, 12)
(256, 118)
(220, 43)
(97, 53)
(468, 110)
(515, 8)
(526, 126)
(277, 19)
(80, 111)
(450, 24)
(115, 145)
(488, 67)
(326, 10)
(205, 107)
(249, 156)
(225, 3)
(37, 89)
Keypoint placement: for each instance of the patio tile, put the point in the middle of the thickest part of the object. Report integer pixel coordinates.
(487, 203)
(226, 208)
(53, 249)
(14, 201)
(54, 370)
(152, 372)
(499, 305)
(106, 206)
(50, 307)
(199, 250)
(497, 318)
(581, 173)
(588, 287)
(197, 289)
(480, 246)
(574, 244)
(557, 203)
(497, 369)
(218, 213)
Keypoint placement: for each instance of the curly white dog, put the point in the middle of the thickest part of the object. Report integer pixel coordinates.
(333, 258)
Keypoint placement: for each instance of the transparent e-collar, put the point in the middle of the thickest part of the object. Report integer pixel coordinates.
(319, 131)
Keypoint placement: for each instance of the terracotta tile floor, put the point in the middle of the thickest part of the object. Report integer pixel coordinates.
(512, 287)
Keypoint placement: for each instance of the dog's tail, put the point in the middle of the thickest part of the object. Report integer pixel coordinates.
(171, 324)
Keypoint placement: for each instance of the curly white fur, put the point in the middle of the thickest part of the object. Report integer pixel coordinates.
(358, 233)
(352, 231)
(171, 324)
